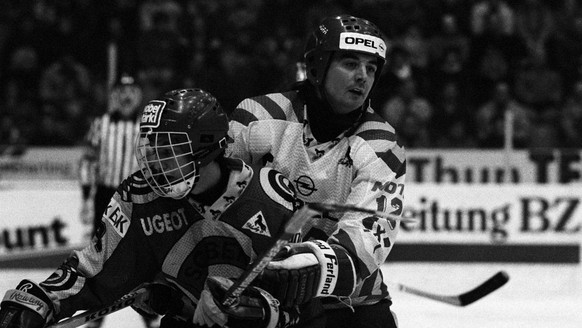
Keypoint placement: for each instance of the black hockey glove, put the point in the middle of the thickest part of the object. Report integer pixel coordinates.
(306, 270)
(27, 306)
(255, 308)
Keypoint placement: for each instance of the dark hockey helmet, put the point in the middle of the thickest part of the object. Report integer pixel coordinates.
(125, 96)
(341, 33)
(180, 133)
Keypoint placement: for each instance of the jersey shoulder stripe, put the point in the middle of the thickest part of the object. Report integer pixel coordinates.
(273, 105)
(342, 238)
(382, 138)
(135, 189)
(277, 106)
(262, 107)
(243, 116)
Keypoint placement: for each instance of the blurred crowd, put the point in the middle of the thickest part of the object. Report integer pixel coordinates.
(458, 69)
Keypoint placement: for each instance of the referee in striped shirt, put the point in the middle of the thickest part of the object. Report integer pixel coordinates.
(109, 158)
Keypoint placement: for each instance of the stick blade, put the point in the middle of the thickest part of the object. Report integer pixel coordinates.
(486, 288)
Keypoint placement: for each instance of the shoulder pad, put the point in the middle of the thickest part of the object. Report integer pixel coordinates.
(136, 190)
(373, 127)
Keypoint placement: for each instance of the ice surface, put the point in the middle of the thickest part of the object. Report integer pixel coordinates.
(537, 296)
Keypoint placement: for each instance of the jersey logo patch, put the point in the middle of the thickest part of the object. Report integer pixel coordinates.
(364, 43)
(305, 185)
(116, 218)
(258, 225)
(152, 114)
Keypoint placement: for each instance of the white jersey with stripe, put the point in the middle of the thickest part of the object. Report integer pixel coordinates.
(363, 166)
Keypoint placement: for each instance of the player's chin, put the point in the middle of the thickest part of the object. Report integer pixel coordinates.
(355, 101)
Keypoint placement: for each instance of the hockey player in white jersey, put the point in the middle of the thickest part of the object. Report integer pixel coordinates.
(326, 138)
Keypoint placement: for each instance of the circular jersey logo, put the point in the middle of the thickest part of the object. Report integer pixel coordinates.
(305, 185)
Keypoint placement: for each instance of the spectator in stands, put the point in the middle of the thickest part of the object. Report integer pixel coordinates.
(403, 13)
(538, 85)
(449, 37)
(565, 50)
(20, 89)
(488, 14)
(66, 90)
(450, 69)
(149, 9)
(35, 31)
(495, 53)
(417, 45)
(502, 33)
(535, 24)
(490, 120)
(409, 114)
(459, 9)
(160, 50)
(399, 69)
(571, 118)
(451, 125)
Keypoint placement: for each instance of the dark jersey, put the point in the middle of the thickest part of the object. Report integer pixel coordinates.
(144, 237)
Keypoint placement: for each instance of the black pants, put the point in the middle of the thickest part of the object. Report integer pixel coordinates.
(370, 316)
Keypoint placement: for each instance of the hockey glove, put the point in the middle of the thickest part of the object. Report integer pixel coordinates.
(27, 306)
(255, 308)
(306, 270)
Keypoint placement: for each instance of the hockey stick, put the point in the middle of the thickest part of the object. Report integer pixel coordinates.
(335, 207)
(292, 227)
(133, 297)
(464, 299)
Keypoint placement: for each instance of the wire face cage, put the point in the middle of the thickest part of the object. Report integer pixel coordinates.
(167, 162)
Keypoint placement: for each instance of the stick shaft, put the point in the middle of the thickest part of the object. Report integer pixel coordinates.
(81, 319)
(335, 207)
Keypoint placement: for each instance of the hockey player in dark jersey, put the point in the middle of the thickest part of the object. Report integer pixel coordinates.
(189, 213)
(326, 138)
